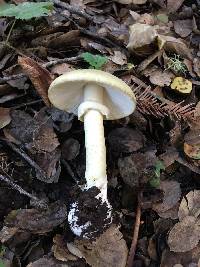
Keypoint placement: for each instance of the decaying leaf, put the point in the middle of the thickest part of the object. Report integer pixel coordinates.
(127, 140)
(192, 143)
(157, 76)
(170, 213)
(128, 2)
(185, 235)
(70, 149)
(174, 45)
(61, 251)
(183, 27)
(37, 221)
(39, 139)
(119, 58)
(197, 66)
(141, 39)
(40, 77)
(6, 233)
(61, 68)
(21, 82)
(172, 194)
(5, 118)
(173, 6)
(192, 151)
(137, 168)
(182, 85)
(190, 258)
(109, 249)
(190, 205)
(47, 262)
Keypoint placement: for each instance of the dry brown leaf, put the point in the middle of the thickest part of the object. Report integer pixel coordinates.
(137, 168)
(196, 65)
(173, 6)
(169, 258)
(174, 45)
(190, 205)
(60, 250)
(47, 262)
(128, 2)
(61, 68)
(192, 143)
(20, 83)
(171, 213)
(158, 77)
(141, 38)
(39, 76)
(183, 27)
(5, 118)
(37, 221)
(7, 233)
(197, 111)
(119, 58)
(127, 139)
(172, 194)
(109, 249)
(70, 149)
(39, 139)
(170, 156)
(143, 65)
(185, 235)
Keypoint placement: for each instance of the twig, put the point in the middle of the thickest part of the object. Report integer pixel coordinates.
(96, 37)
(27, 104)
(10, 31)
(48, 64)
(22, 191)
(61, 60)
(135, 237)
(69, 169)
(73, 10)
(27, 158)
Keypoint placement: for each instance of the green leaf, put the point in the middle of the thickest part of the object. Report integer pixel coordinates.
(95, 61)
(155, 182)
(27, 10)
(1, 263)
(158, 167)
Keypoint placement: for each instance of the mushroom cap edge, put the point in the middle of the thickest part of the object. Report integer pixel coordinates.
(66, 92)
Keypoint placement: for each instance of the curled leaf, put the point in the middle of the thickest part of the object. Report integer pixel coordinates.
(141, 40)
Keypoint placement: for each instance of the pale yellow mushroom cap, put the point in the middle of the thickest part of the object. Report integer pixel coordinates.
(66, 92)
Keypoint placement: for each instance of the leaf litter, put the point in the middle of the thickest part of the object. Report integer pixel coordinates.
(153, 155)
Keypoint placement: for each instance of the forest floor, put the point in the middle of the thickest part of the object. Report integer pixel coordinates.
(153, 156)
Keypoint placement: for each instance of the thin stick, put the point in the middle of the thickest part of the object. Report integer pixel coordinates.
(135, 237)
(22, 191)
(46, 65)
(73, 10)
(10, 31)
(27, 158)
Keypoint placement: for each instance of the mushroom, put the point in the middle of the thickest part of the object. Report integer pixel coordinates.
(93, 95)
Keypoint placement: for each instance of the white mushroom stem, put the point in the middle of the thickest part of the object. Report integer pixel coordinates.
(91, 111)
